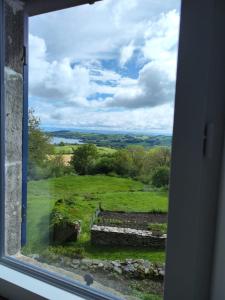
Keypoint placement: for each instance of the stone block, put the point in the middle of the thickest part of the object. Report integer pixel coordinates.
(13, 197)
(14, 35)
(14, 115)
(66, 232)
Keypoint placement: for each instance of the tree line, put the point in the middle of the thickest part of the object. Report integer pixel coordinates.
(150, 166)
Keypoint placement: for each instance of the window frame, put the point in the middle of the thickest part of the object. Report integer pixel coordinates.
(196, 180)
(202, 90)
(17, 285)
(2, 129)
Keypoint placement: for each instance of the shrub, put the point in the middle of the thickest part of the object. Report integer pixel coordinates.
(64, 225)
(57, 167)
(63, 212)
(105, 165)
(160, 177)
(36, 172)
(52, 167)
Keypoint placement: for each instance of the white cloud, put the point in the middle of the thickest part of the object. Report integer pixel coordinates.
(37, 61)
(66, 69)
(126, 53)
(55, 80)
(158, 119)
(156, 83)
(99, 30)
(161, 39)
(60, 80)
(153, 88)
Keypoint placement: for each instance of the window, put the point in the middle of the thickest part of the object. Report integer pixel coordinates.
(99, 139)
(197, 146)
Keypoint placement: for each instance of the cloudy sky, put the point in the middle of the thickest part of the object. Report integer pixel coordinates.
(111, 65)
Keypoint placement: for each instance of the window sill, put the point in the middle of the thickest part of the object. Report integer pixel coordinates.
(29, 285)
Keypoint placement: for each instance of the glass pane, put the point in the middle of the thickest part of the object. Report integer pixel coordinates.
(101, 104)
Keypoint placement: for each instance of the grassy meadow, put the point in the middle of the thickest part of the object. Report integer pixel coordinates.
(114, 193)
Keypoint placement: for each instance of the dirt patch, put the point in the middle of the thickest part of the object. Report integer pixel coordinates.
(66, 158)
(136, 220)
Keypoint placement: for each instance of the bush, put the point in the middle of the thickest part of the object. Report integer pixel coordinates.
(146, 179)
(104, 165)
(53, 167)
(63, 212)
(160, 177)
(57, 168)
(63, 224)
(36, 172)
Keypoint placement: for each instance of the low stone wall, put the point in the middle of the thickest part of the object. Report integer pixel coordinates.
(128, 268)
(115, 236)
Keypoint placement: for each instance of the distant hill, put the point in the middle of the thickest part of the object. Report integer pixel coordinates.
(114, 140)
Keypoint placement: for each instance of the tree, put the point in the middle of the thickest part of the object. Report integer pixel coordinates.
(156, 157)
(138, 157)
(123, 162)
(160, 177)
(160, 156)
(39, 146)
(84, 159)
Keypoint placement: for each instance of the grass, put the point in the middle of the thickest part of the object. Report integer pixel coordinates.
(157, 227)
(87, 192)
(146, 296)
(68, 149)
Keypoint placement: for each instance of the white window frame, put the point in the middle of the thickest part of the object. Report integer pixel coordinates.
(198, 141)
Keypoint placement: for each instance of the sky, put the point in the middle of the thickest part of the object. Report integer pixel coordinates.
(111, 65)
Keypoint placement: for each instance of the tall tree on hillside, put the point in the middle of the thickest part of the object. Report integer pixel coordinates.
(138, 157)
(159, 157)
(84, 159)
(39, 144)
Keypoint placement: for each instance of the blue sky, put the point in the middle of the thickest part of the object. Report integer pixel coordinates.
(105, 66)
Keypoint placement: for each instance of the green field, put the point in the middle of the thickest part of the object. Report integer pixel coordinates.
(88, 191)
(68, 149)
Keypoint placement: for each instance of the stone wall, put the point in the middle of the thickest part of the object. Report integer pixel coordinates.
(129, 268)
(115, 236)
(13, 123)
